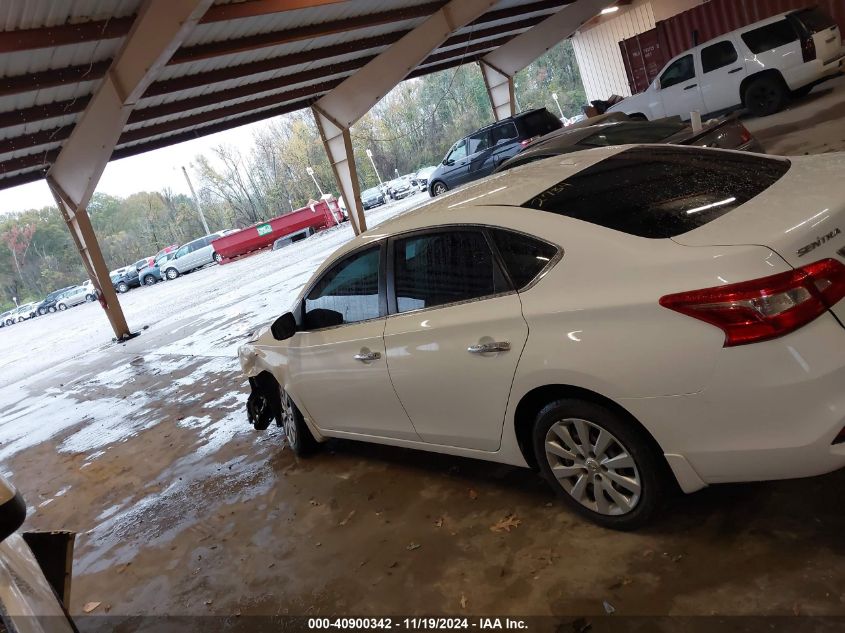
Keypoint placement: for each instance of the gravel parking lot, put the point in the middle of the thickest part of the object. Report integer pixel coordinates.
(144, 449)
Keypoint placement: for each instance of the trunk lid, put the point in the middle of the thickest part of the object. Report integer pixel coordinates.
(801, 217)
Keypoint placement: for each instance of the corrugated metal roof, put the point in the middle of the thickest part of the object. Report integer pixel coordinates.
(226, 82)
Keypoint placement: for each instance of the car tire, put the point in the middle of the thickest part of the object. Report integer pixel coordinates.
(122, 287)
(171, 273)
(149, 280)
(297, 434)
(613, 476)
(52, 309)
(20, 319)
(42, 311)
(90, 298)
(438, 188)
(62, 307)
(765, 95)
(218, 257)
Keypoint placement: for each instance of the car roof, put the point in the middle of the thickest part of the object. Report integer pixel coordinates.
(505, 189)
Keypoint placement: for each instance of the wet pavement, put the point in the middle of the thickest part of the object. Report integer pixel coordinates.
(181, 508)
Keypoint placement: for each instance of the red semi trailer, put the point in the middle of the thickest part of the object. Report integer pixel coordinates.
(317, 216)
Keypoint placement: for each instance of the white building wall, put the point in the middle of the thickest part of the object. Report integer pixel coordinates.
(598, 54)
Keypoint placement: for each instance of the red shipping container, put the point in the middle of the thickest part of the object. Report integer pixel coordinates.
(318, 216)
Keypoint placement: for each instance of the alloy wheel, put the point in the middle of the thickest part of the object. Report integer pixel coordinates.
(288, 420)
(593, 466)
(439, 189)
(172, 274)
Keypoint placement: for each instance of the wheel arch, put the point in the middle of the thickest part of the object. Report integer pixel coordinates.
(769, 72)
(533, 402)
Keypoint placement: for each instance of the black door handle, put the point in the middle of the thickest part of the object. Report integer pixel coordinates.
(691, 87)
(734, 70)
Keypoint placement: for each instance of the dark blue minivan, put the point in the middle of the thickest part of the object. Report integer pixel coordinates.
(478, 154)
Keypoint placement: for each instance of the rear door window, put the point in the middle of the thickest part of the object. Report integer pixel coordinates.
(718, 56)
(769, 37)
(503, 133)
(444, 267)
(478, 142)
(660, 192)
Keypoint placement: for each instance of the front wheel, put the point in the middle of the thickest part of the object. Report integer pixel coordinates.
(90, 298)
(438, 189)
(41, 311)
(52, 308)
(149, 280)
(62, 307)
(766, 95)
(122, 287)
(171, 273)
(600, 463)
(298, 436)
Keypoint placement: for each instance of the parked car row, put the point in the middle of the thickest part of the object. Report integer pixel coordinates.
(168, 263)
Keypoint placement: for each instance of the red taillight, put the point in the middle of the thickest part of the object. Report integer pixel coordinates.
(528, 141)
(744, 134)
(763, 309)
(808, 48)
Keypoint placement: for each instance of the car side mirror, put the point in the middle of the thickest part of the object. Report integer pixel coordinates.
(284, 327)
(12, 509)
(448, 162)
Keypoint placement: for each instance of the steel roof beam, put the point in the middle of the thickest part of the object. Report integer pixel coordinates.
(336, 111)
(499, 66)
(156, 33)
(42, 159)
(84, 72)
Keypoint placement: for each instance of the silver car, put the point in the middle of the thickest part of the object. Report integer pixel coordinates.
(72, 297)
(190, 256)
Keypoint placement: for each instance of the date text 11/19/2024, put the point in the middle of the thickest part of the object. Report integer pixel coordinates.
(417, 624)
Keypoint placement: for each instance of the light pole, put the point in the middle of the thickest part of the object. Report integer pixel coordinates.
(370, 156)
(196, 202)
(314, 178)
(554, 96)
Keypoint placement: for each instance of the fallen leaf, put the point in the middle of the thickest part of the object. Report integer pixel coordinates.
(463, 601)
(346, 520)
(413, 546)
(88, 607)
(608, 608)
(439, 522)
(473, 494)
(505, 525)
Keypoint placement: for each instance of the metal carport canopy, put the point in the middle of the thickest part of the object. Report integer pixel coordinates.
(152, 73)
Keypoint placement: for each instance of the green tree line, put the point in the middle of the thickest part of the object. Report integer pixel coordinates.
(411, 128)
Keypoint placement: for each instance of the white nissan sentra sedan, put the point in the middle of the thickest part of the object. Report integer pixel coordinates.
(621, 318)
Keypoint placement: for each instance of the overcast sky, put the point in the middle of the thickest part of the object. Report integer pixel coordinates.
(152, 171)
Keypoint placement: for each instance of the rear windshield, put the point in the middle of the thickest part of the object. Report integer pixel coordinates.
(539, 122)
(814, 20)
(631, 133)
(661, 192)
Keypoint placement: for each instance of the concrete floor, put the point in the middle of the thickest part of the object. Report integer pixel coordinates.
(181, 508)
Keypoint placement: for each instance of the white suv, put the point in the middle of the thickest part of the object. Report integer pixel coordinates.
(758, 66)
